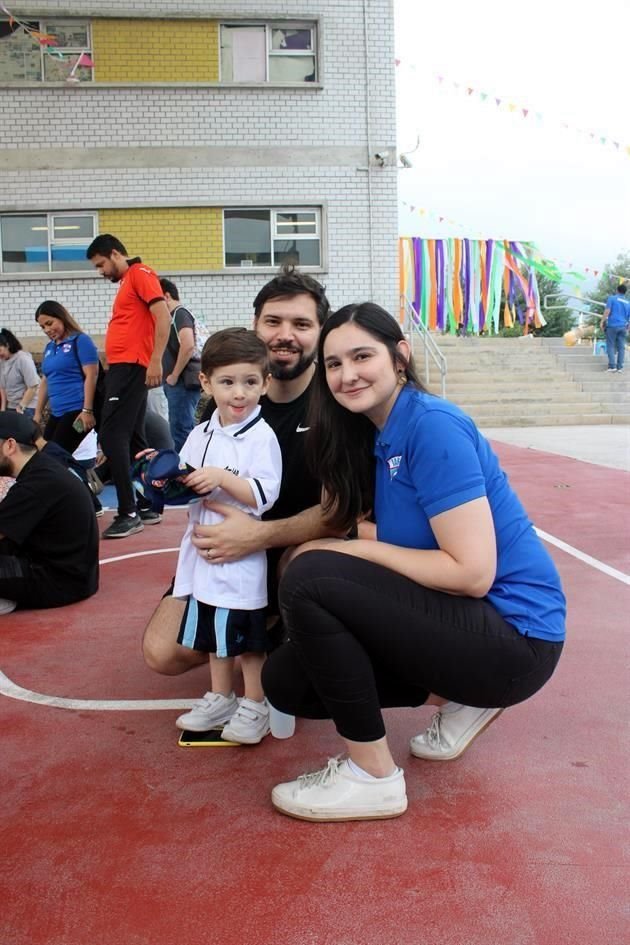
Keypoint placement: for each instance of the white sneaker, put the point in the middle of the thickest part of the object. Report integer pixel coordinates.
(335, 793)
(212, 710)
(249, 724)
(451, 731)
(7, 606)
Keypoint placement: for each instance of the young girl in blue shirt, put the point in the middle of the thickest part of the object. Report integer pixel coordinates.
(447, 598)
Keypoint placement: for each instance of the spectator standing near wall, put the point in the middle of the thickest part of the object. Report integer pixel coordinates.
(181, 365)
(134, 344)
(19, 379)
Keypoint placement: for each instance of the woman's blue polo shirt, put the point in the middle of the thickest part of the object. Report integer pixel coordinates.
(61, 366)
(430, 457)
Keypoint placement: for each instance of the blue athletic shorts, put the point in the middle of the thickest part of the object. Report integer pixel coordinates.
(224, 632)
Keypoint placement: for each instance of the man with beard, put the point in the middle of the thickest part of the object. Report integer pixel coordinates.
(48, 531)
(288, 314)
(134, 344)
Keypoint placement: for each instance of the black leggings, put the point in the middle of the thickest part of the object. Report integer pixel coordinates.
(60, 430)
(363, 638)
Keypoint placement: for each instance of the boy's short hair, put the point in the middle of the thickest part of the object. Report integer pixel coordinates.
(168, 286)
(234, 346)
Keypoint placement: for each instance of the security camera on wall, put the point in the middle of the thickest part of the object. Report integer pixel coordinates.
(381, 158)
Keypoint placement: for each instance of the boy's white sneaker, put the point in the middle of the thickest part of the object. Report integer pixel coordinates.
(335, 793)
(451, 731)
(249, 724)
(212, 710)
(7, 606)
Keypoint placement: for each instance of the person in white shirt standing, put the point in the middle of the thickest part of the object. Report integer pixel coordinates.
(237, 461)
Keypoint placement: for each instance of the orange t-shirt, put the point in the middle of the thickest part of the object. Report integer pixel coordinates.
(131, 330)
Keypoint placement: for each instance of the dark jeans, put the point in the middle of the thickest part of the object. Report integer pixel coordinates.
(363, 638)
(615, 346)
(60, 430)
(182, 404)
(122, 427)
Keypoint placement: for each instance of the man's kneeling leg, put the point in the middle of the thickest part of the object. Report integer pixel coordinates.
(160, 649)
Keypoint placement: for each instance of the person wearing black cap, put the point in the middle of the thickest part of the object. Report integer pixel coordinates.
(48, 530)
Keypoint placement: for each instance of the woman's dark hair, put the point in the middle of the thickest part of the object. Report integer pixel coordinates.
(8, 340)
(234, 346)
(341, 443)
(56, 310)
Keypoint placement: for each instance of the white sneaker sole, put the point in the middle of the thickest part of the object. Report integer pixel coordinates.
(315, 816)
(456, 752)
(187, 726)
(244, 739)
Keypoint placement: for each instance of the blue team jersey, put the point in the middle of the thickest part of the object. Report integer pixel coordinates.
(619, 314)
(430, 457)
(63, 372)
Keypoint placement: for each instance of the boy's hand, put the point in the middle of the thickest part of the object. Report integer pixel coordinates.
(149, 453)
(205, 479)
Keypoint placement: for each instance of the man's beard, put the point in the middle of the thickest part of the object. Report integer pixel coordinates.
(6, 469)
(281, 372)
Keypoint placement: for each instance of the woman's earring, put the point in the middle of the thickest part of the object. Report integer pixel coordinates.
(402, 380)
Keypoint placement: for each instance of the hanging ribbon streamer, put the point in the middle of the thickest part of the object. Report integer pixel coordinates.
(461, 284)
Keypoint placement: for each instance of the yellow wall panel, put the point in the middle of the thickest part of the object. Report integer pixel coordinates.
(178, 239)
(155, 50)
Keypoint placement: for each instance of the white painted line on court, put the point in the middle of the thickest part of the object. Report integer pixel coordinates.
(581, 556)
(138, 554)
(13, 691)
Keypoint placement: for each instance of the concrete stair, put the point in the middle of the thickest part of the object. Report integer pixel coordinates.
(528, 381)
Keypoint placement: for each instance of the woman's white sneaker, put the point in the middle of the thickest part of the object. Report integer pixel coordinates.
(335, 793)
(451, 731)
(7, 606)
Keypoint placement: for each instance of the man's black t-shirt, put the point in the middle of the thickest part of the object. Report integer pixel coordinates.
(298, 489)
(48, 516)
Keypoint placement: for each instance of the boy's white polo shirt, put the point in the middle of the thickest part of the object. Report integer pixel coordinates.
(250, 450)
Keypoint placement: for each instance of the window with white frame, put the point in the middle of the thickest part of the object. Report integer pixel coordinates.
(23, 59)
(45, 242)
(268, 52)
(266, 237)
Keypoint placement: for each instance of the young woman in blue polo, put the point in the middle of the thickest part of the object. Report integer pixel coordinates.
(448, 598)
(69, 370)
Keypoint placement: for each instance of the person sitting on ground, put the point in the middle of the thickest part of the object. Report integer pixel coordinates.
(48, 530)
(456, 603)
(69, 373)
(19, 379)
(236, 460)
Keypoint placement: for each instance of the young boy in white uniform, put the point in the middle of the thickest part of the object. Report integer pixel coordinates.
(236, 460)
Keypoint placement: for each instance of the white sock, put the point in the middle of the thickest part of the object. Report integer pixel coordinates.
(359, 772)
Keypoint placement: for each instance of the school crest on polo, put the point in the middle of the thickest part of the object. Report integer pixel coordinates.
(393, 464)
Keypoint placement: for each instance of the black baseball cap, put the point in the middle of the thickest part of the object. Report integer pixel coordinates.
(20, 428)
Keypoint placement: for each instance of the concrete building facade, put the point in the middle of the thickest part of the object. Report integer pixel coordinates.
(215, 140)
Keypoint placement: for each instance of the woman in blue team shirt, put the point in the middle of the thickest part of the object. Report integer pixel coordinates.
(69, 372)
(455, 604)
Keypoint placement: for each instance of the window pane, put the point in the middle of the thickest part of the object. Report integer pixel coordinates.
(243, 54)
(58, 70)
(299, 252)
(68, 33)
(69, 257)
(24, 244)
(73, 227)
(299, 224)
(291, 39)
(291, 68)
(20, 58)
(247, 237)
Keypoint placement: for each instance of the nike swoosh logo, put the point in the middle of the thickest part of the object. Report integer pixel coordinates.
(300, 429)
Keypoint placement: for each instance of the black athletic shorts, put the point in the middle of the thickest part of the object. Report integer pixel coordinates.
(222, 631)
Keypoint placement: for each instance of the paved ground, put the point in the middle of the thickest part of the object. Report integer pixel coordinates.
(605, 445)
(111, 834)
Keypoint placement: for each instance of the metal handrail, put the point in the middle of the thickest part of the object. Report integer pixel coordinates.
(413, 324)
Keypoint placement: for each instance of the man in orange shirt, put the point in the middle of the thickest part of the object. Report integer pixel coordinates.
(134, 344)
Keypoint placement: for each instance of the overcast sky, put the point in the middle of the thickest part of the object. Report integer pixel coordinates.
(496, 173)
